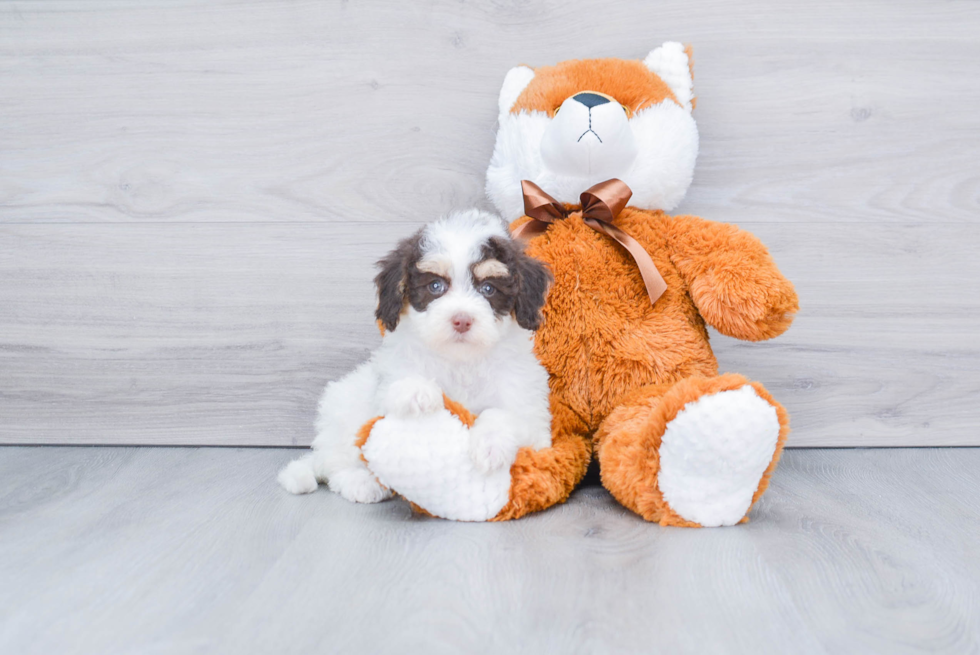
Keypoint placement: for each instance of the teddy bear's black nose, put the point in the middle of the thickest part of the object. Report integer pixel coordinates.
(590, 100)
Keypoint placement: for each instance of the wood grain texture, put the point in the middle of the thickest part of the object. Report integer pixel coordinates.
(192, 194)
(226, 334)
(264, 111)
(162, 550)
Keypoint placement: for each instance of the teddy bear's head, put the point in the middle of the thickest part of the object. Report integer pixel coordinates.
(581, 122)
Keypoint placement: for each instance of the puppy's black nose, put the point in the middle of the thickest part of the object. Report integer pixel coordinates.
(590, 100)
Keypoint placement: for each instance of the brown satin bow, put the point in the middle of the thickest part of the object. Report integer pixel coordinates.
(600, 206)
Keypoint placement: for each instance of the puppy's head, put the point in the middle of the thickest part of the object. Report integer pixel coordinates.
(460, 283)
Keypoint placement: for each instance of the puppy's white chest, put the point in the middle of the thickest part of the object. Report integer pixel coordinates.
(471, 389)
(426, 459)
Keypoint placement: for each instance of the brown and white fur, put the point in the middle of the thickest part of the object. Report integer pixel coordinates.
(458, 301)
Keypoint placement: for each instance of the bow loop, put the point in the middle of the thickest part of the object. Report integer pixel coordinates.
(605, 200)
(539, 205)
(601, 204)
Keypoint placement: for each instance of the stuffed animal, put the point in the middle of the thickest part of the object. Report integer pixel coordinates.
(590, 156)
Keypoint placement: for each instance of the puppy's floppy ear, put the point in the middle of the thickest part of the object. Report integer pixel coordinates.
(393, 277)
(533, 279)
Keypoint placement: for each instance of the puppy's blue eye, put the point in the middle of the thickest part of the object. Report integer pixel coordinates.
(437, 287)
(487, 289)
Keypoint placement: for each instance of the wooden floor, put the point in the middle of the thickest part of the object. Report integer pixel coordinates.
(167, 550)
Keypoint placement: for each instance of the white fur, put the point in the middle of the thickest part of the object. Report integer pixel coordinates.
(515, 82)
(412, 396)
(428, 460)
(298, 477)
(714, 453)
(457, 240)
(654, 152)
(671, 63)
(491, 370)
(597, 140)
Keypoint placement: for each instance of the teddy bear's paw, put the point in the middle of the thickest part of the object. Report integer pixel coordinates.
(493, 445)
(714, 453)
(413, 396)
(358, 485)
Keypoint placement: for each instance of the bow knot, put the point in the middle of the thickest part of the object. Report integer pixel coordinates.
(601, 205)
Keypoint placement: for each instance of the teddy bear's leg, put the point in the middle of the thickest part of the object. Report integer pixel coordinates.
(536, 480)
(546, 477)
(699, 452)
(539, 478)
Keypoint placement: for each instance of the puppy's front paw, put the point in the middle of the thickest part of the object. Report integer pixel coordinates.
(413, 396)
(492, 442)
(358, 486)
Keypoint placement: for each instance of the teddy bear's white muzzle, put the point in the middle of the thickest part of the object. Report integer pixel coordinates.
(590, 137)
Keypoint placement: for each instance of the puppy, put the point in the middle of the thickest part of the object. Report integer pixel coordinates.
(458, 301)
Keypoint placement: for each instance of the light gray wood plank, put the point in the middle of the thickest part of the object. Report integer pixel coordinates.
(270, 111)
(226, 334)
(121, 550)
(221, 334)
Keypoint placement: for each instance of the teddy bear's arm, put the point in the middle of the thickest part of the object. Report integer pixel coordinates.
(732, 279)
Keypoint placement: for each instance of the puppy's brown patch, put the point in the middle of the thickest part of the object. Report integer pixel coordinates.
(490, 268)
(437, 265)
(393, 277)
(520, 283)
(418, 288)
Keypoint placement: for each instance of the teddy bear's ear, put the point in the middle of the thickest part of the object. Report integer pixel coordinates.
(515, 82)
(673, 63)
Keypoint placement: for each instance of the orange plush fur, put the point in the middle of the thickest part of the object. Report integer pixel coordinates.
(607, 348)
(629, 82)
(622, 368)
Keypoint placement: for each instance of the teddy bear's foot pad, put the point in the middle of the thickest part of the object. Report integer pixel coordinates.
(714, 453)
(427, 460)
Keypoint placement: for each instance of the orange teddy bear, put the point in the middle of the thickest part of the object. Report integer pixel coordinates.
(632, 375)
(635, 381)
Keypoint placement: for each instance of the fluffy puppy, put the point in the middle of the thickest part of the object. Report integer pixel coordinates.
(459, 301)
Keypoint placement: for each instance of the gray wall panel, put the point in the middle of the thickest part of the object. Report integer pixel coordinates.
(192, 195)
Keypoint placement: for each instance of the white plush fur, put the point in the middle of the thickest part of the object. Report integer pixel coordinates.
(599, 140)
(430, 459)
(654, 152)
(515, 81)
(714, 453)
(671, 63)
(490, 369)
